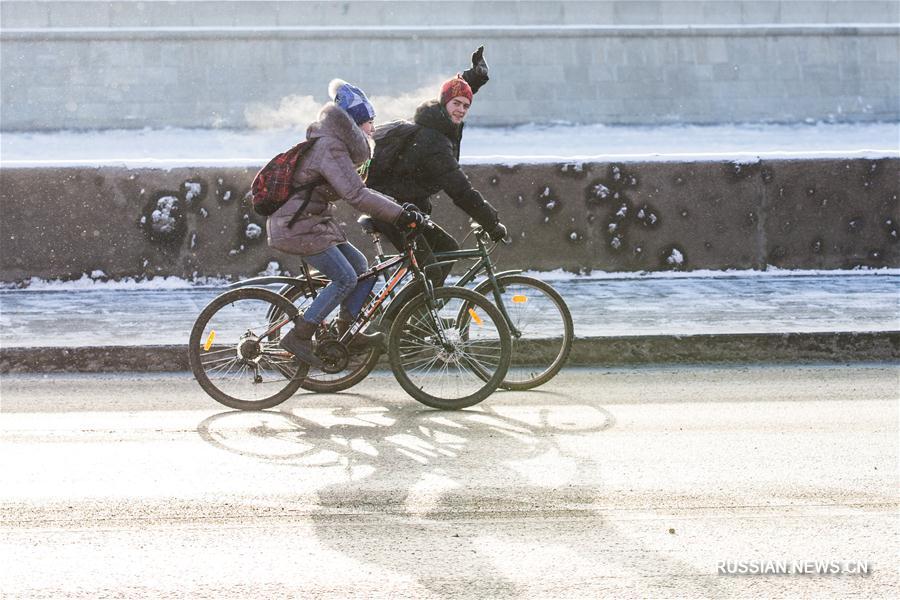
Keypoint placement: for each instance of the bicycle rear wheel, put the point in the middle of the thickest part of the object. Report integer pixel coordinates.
(542, 319)
(234, 352)
(362, 363)
(358, 365)
(471, 362)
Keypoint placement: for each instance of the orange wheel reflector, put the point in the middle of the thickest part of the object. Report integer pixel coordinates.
(209, 340)
(475, 316)
(519, 299)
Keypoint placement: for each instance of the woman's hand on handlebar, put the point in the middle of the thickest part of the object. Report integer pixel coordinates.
(410, 218)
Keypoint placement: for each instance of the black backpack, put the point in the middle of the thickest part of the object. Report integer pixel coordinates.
(391, 140)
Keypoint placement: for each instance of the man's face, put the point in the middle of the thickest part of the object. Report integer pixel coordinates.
(457, 109)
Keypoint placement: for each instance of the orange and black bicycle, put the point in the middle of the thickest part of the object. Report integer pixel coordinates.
(448, 347)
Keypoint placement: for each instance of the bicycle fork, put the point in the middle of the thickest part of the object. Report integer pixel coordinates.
(497, 290)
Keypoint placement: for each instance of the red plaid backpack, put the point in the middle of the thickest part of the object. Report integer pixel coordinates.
(274, 184)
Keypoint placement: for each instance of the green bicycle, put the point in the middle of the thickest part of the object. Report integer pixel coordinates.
(538, 318)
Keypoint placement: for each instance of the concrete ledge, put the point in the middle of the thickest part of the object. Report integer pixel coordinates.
(611, 216)
(599, 351)
(466, 32)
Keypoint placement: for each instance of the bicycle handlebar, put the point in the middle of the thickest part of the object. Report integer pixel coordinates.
(479, 231)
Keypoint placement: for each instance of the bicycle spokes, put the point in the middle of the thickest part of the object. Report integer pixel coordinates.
(541, 328)
(448, 356)
(234, 350)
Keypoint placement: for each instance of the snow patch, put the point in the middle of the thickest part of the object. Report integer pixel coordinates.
(171, 148)
(675, 257)
(600, 191)
(90, 282)
(193, 190)
(253, 231)
(162, 219)
(272, 269)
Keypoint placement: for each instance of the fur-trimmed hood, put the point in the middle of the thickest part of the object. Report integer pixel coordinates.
(333, 121)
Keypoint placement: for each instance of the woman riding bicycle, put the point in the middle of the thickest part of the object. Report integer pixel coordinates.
(429, 163)
(305, 224)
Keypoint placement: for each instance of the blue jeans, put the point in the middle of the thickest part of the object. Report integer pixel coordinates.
(341, 264)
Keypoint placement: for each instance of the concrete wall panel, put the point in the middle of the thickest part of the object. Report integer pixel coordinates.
(210, 61)
(824, 214)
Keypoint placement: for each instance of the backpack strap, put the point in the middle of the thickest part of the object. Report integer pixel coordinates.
(306, 187)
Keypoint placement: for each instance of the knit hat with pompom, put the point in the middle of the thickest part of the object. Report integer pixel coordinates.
(352, 99)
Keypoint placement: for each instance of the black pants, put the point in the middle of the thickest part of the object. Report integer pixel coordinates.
(431, 240)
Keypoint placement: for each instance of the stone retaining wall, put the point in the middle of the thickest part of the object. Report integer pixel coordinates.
(793, 214)
(121, 64)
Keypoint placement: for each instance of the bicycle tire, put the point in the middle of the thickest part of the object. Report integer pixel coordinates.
(412, 348)
(320, 382)
(326, 383)
(546, 361)
(205, 361)
(316, 381)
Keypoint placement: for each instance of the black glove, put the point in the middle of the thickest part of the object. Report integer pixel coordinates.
(409, 219)
(499, 232)
(481, 67)
(477, 75)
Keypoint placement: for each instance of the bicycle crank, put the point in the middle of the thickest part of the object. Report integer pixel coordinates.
(334, 355)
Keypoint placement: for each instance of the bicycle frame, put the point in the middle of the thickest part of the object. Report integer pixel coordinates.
(310, 282)
(483, 264)
(407, 262)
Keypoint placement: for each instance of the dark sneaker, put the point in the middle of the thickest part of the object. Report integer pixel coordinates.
(362, 341)
(365, 341)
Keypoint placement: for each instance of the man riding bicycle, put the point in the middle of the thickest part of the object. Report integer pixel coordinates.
(429, 163)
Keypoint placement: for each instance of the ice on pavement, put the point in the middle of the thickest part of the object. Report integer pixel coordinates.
(89, 313)
(169, 148)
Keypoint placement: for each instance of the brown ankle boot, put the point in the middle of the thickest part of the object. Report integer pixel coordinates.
(298, 342)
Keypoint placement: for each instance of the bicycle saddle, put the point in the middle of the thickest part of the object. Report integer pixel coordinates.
(367, 224)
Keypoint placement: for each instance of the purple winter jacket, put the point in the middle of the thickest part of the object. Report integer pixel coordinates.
(340, 148)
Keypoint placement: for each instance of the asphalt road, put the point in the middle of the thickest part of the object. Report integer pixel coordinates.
(625, 483)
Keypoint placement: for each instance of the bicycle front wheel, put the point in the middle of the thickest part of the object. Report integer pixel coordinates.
(540, 326)
(454, 356)
(234, 352)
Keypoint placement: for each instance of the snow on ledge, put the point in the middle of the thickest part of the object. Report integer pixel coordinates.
(97, 280)
(526, 144)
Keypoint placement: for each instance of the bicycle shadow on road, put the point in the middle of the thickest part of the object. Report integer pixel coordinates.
(414, 466)
(421, 475)
(306, 435)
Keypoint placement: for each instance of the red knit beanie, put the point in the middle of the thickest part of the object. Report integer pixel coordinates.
(453, 88)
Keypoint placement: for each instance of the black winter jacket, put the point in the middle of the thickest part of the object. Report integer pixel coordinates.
(430, 163)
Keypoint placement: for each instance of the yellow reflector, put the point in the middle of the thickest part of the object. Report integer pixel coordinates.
(519, 299)
(475, 316)
(209, 340)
